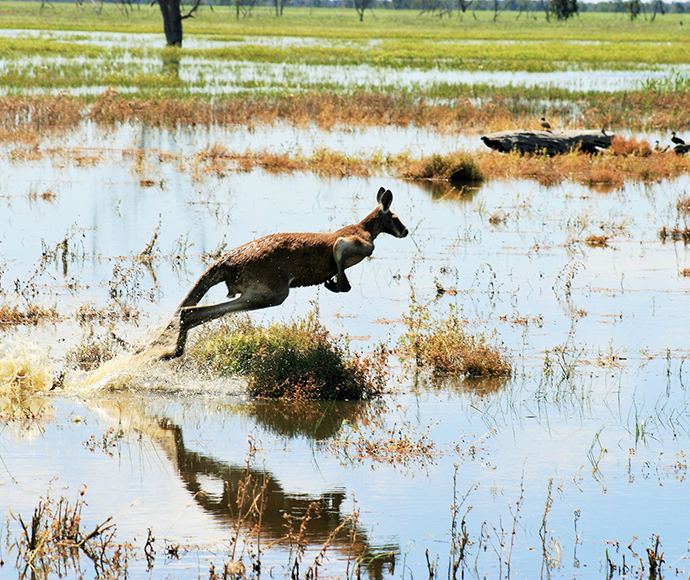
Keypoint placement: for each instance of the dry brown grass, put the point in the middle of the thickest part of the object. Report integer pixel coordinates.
(637, 111)
(400, 446)
(626, 147)
(87, 313)
(608, 168)
(627, 160)
(595, 241)
(675, 234)
(34, 314)
(683, 205)
(93, 351)
(42, 112)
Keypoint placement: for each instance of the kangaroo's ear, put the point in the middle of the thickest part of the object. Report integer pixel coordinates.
(382, 190)
(385, 199)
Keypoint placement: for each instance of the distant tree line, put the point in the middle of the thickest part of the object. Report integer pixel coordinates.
(448, 6)
(175, 11)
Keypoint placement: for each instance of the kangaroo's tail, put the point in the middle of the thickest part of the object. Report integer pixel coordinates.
(214, 274)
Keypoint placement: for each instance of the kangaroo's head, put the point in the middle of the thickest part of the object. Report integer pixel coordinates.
(387, 222)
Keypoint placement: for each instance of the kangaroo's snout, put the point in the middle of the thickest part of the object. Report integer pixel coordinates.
(398, 230)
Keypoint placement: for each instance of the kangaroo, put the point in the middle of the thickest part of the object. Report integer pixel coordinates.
(260, 273)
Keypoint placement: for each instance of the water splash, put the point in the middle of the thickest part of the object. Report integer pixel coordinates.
(24, 368)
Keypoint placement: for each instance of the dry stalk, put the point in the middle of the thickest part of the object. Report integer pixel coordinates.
(459, 540)
(516, 517)
(313, 570)
(543, 532)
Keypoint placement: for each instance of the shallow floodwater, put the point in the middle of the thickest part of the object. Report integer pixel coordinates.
(598, 404)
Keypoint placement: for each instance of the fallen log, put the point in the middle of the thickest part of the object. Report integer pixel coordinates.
(549, 142)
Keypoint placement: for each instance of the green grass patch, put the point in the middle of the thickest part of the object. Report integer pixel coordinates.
(391, 38)
(444, 345)
(297, 360)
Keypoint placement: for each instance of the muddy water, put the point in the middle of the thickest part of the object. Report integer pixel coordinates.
(597, 335)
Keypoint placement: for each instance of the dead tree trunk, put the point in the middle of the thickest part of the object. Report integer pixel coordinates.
(172, 19)
(549, 142)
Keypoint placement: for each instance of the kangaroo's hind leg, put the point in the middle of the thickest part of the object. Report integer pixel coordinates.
(254, 298)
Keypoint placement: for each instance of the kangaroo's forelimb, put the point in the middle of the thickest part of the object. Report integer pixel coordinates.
(348, 251)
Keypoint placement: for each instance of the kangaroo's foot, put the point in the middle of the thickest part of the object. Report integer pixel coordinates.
(170, 343)
(333, 286)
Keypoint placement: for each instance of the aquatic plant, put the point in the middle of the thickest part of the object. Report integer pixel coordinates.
(295, 360)
(400, 445)
(445, 346)
(457, 168)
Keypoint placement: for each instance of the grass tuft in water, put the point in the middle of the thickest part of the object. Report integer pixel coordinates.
(456, 168)
(444, 345)
(296, 360)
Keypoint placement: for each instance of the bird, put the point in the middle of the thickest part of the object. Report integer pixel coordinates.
(545, 124)
(676, 140)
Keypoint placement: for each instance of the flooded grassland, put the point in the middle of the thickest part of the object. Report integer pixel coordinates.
(575, 284)
(573, 466)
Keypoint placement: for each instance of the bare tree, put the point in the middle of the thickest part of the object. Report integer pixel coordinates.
(634, 8)
(244, 8)
(564, 9)
(361, 6)
(172, 19)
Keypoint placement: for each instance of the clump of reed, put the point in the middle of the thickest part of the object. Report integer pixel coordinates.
(597, 241)
(298, 360)
(456, 167)
(52, 542)
(444, 345)
(631, 146)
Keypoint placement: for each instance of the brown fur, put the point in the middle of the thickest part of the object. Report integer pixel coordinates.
(260, 273)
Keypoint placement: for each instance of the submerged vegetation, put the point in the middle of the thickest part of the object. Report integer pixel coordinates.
(299, 360)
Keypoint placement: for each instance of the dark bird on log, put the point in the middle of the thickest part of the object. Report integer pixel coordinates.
(676, 140)
(545, 124)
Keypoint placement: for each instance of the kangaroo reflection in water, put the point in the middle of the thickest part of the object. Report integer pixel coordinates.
(195, 468)
(201, 473)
